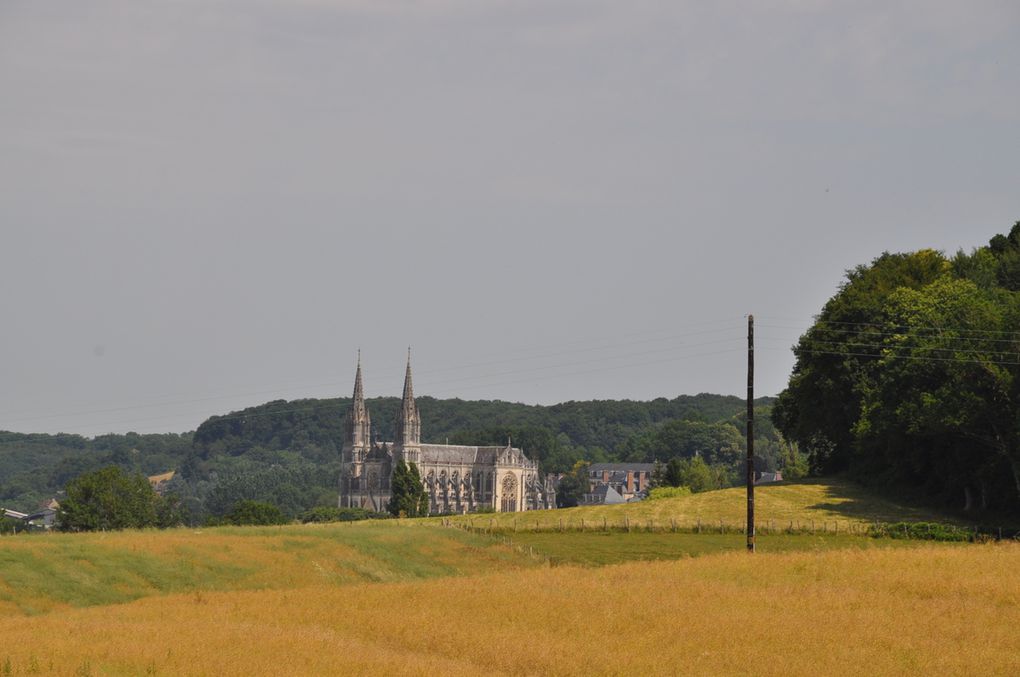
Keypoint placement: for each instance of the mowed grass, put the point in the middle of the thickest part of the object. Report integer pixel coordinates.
(929, 609)
(40, 573)
(825, 503)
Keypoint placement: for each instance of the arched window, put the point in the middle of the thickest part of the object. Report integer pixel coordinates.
(508, 502)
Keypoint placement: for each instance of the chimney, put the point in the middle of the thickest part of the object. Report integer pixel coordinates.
(630, 481)
(605, 476)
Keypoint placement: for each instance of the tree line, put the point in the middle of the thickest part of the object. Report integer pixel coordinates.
(287, 453)
(910, 377)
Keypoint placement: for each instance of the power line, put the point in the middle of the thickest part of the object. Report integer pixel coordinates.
(915, 327)
(900, 357)
(916, 334)
(884, 346)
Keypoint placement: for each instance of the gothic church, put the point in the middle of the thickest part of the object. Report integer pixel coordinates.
(458, 478)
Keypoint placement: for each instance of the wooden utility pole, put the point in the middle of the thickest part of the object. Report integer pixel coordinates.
(750, 433)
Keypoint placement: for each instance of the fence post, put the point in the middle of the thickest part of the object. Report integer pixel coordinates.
(605, 525)
(699, 524)
(672, 523)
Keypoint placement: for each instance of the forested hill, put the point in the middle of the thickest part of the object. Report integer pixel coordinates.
(601, 426)
(288, 452)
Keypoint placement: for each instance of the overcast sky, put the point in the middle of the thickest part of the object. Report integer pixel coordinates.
(207, 205)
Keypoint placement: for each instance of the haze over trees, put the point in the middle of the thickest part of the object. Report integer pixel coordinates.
(911, 376)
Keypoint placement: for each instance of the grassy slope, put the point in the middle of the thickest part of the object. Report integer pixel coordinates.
(40, 573)
(925, 610)
(822, 500)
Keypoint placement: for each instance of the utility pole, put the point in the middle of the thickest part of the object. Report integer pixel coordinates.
(750, 433)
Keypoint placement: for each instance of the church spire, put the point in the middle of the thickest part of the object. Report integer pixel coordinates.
(358, 424)
(408, 388)
(408, 421)
(359, 389)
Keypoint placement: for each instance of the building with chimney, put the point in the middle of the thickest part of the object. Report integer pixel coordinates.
(628, 481)
(458, 478)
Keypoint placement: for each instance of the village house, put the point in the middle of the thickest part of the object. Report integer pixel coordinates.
(628, 481)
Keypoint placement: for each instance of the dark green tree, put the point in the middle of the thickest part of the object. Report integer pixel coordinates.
(573, 486)
(170, 512)
(910, 377)
(407, 494)
(108, 498)
(250, 513)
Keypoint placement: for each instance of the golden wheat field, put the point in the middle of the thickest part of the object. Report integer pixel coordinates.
(930, 610)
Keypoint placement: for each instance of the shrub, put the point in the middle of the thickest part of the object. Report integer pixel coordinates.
(333, 514)
(246, 513)
(928, 531)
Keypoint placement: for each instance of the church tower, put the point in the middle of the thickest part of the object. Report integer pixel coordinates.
(357, 442)
(408, 427)
(358, 424)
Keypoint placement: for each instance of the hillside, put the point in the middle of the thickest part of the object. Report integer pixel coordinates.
(287, 452)
(821, 501)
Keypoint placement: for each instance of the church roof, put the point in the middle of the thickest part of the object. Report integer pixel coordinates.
(456, 453)
(606, 494)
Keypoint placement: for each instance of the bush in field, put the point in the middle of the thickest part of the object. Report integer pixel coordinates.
(245, 513)
(929, 531)
(667, 492)
(333, 514)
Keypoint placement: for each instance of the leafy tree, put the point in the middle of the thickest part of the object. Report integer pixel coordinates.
(252, 513)
(836, 360)
(170, 512)
(9, 525)
(573, 486)
(695, 474)
(407, 494)
(909, 376)
(108, 498)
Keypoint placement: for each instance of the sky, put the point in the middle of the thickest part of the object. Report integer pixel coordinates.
(209, 204)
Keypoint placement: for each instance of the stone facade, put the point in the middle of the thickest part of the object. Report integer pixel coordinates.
(457, 478)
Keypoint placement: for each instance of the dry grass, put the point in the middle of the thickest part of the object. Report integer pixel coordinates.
(821, 501)
(925, 610)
